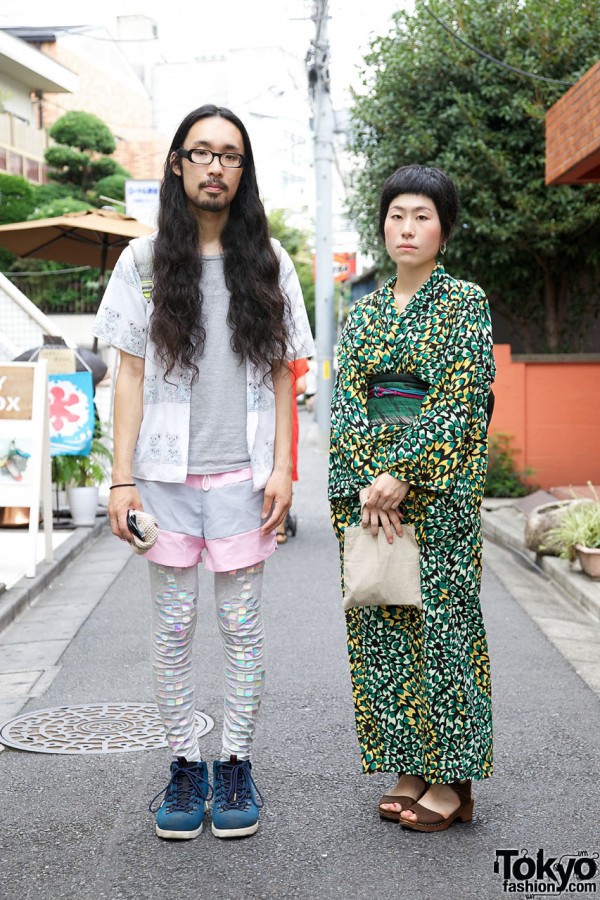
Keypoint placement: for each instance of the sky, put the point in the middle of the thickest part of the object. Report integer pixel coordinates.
(193, 28)
(204, 28)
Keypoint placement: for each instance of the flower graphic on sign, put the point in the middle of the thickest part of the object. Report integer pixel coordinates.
(71, 413)
(66, 409)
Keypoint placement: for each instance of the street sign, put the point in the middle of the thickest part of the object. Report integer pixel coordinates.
(141, 200)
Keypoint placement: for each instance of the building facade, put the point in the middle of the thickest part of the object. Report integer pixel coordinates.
(108, 86)
(25, 76)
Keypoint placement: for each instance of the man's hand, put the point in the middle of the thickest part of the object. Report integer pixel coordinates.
(278, 499)
(129, 391)
(120, 501)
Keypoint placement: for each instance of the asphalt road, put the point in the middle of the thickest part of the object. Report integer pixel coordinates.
(78, 827)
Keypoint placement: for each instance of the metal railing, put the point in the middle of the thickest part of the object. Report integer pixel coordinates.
(22, 148)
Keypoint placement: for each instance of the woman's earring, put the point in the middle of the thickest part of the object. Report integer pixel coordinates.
(443, 248)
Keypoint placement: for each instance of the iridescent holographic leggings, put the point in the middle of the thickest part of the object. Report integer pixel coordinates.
(237, 596)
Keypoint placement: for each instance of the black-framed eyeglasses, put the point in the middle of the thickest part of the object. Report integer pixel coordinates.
(203, 157)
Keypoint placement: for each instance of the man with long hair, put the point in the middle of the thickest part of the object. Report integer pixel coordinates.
(202, 440)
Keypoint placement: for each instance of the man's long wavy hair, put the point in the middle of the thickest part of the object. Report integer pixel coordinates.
(257, 304)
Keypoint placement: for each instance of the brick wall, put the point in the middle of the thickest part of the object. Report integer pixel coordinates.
(116, 96)
(573, 133)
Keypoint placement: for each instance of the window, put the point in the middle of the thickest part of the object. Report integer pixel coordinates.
(15, 163)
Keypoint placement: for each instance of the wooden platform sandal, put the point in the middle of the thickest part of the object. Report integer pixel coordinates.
(428, 820)
(403, 799)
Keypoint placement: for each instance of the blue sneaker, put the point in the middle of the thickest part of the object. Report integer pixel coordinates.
(180, 816)
(237, 799)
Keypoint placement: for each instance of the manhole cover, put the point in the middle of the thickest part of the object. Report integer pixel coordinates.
(93, 728)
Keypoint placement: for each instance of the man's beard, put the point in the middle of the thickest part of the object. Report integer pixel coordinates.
(212, 204)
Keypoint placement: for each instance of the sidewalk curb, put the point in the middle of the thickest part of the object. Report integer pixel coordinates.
(15, 599)
(505, 526)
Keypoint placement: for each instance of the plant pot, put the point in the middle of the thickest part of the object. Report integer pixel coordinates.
(589, 560)
(541, 521)
(83, 503)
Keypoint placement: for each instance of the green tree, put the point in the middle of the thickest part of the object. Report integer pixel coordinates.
(59, 206)
(84, 131)
(79, 158)
(47, 193)
(17, 199)
(429, 99)
(16, 203)
(79, 172)
(296, 242)
(20, 200)
(54, 199)
(112, 186)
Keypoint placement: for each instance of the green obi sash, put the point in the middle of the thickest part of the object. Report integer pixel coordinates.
(394, 398)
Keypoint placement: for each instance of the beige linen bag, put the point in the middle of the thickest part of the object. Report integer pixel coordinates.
(380, 574)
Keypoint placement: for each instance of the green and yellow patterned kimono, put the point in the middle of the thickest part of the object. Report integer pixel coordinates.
(421, 678)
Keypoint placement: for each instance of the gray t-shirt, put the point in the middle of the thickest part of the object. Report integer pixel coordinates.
(218, 410)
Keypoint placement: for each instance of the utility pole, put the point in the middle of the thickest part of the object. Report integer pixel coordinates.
(323, 127)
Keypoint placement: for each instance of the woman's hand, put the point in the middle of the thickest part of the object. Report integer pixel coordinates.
(386, 492)
(120, 501)
(380, 502)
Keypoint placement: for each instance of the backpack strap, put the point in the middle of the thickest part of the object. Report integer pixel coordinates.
(143, 257)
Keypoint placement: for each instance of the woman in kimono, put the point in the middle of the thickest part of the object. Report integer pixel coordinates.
(420, 678)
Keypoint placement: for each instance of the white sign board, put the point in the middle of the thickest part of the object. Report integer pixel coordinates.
(141, 200)
(25, 477)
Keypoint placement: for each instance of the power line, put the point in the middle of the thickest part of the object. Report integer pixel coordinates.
(492, 59)
(46, 273)
(84, 31)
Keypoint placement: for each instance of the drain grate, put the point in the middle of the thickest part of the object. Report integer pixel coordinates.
(92, 728)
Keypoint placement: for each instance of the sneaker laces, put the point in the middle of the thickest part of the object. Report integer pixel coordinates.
(233, 788)
(184, 789)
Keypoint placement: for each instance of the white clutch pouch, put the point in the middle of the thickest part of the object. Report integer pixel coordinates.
(144, 530)
(377, 573)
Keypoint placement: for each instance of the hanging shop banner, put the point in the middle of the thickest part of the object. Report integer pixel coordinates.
(24, 449)
(71, 408)
(344, 266)
(59, 359)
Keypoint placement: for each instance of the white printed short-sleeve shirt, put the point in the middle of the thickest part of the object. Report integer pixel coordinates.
(161, 453)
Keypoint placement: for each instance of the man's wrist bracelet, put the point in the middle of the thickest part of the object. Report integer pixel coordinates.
(131, 484)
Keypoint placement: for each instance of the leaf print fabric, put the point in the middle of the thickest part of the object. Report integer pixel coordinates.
(420, 680)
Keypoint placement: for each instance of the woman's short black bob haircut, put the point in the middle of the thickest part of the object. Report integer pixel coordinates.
(427, 181)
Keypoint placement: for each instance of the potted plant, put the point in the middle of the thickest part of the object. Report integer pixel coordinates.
(81, 476)
(578, 535)
(542, 523)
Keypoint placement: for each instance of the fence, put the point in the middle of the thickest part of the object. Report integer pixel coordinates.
(54, 292)
(22, 325)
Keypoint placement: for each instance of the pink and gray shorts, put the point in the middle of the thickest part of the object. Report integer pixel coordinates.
(219, 514)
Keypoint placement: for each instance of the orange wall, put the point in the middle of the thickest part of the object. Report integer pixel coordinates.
(551, 408)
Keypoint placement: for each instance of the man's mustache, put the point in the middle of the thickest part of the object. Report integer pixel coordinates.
(214, 182)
